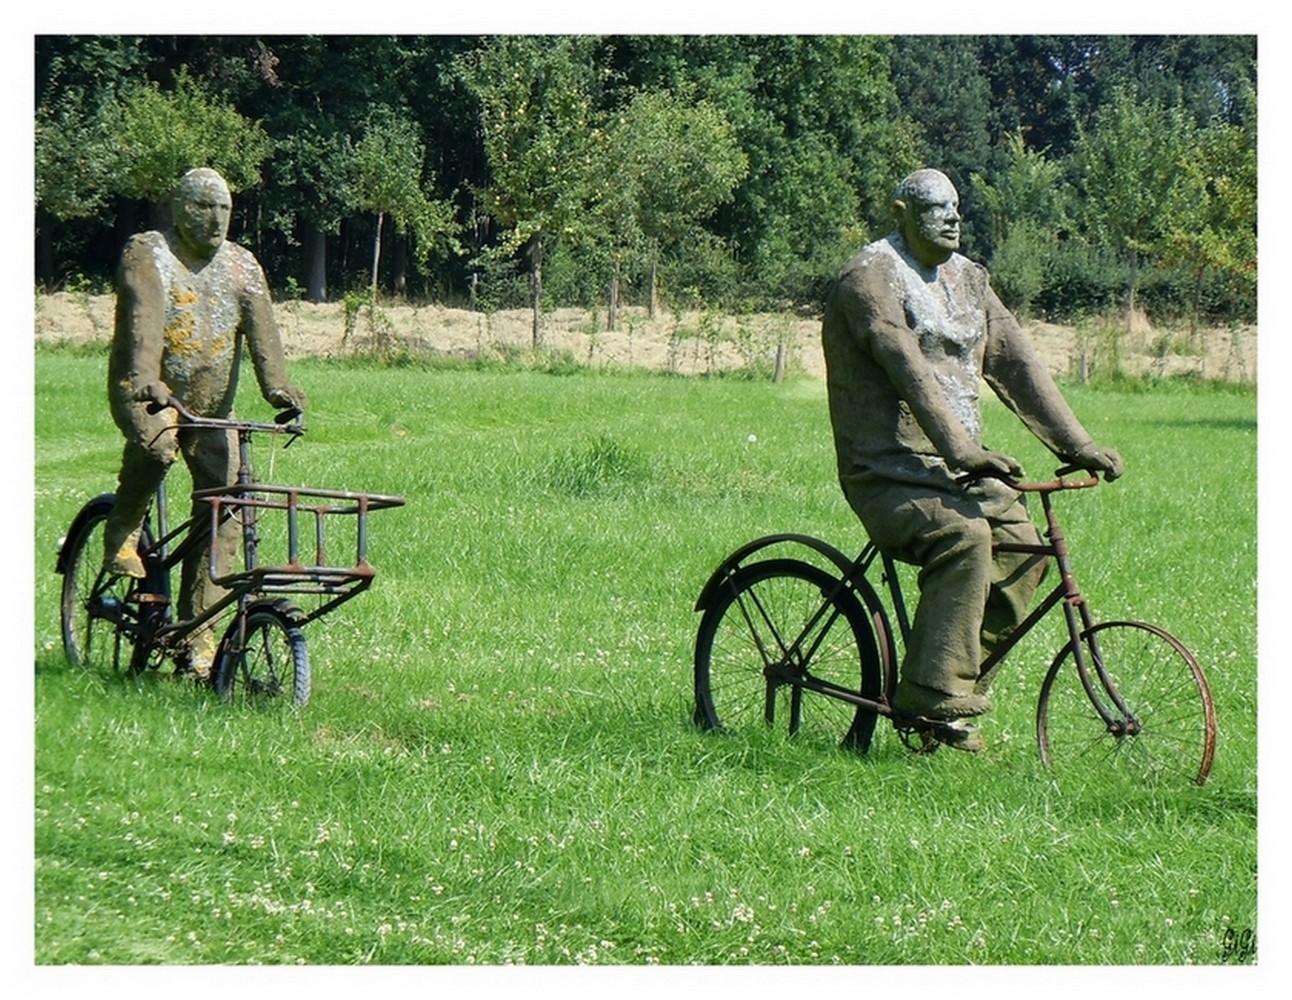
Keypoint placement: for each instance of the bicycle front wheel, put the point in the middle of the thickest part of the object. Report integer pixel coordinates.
(99, 619)
(262, 656)
(1148, 714)
(774, 628)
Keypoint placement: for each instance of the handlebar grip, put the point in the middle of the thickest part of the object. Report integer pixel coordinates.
(288, 415)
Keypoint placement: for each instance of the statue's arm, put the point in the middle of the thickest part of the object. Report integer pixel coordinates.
(1019, 377)
(136, 361)
(262, 338)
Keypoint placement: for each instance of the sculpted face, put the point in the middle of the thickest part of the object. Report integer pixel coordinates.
(201, 210)
(928, 214)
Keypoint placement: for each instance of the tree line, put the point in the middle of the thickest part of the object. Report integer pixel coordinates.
(720, 171)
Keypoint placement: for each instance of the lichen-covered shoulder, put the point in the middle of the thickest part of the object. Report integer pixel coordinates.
(975, 273)
(251, 277)
(873, 269)
(144, 246)
(146, 262)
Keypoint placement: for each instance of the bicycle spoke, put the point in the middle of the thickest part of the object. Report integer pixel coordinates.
(1170, 729)
(771, 627)
(265, 659)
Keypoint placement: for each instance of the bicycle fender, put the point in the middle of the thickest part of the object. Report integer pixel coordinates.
(97, 507)
(733, 561)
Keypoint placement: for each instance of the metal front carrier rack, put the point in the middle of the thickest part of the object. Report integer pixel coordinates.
(309, 567)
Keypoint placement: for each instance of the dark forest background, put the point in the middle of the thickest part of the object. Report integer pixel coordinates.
(728, 171)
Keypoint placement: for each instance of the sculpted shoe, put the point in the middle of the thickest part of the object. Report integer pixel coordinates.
(127, 563)
(188, 670)
(913, 699)
(932, 733)
(195, 663)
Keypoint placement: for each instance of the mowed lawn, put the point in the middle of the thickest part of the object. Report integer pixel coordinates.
(498, 763)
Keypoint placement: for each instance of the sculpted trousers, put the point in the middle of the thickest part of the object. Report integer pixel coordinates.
(212, 460)
(968, 595)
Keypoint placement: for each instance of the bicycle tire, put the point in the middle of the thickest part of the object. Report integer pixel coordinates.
(745, 634)
(1171, 730)
(99, 610)
(263, 657)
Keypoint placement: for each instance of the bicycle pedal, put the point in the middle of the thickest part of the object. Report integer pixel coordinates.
(924, 736)
(917, 739)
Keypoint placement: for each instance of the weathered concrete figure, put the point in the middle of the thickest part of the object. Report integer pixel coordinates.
(187, 300)
(911, 330)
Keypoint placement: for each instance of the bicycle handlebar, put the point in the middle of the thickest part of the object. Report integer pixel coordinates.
(286, 421)
(1048, 486)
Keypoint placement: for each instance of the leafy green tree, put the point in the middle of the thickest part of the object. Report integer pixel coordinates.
(1210, 225)
(537, 113)
(108, 137)
(313, 172)
(670, 161)
(160, 134)
(1031, 186)
(941, 85)
(1025, 211)
(1203, 75)
(826, 141)
(1126, 167)
(819, 122)
(315, 94)
(388, 162)
(74, 161)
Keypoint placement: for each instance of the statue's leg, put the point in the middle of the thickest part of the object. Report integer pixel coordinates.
(212, 460)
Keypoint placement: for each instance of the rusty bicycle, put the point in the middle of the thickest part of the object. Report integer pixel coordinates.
(118, 623)
(804, 639)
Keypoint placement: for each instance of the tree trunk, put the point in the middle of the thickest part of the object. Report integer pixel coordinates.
(376, 253)
(1134, 283)
(1197, 305)
(44, 249)
(652, 299)
(778, 370)
(315, 247)
(612, 314)
(536, 287)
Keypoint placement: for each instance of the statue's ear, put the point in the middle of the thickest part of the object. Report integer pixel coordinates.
(899, 208)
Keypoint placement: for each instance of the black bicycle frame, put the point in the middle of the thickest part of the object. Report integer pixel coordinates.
(1076, 614)
(160, 559)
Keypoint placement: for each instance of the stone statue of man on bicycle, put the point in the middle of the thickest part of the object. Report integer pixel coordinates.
(911, 329)
(187, 302)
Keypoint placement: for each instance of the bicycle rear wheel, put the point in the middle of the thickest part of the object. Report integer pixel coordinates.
(1168, 730)
(99, 610)
(773, 625)
(262, 657)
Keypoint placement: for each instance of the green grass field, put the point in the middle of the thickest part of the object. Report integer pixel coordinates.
(498, 764)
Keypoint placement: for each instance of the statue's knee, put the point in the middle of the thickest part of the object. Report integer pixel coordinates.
(164, 450)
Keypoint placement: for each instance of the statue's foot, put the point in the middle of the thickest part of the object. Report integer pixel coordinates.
(929, 703)
(127, 563)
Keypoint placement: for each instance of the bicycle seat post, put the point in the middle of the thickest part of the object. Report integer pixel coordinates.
(1059, 547)
(163, 519)
(247, 512)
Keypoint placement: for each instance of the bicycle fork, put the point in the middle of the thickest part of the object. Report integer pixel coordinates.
(1098, 686)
